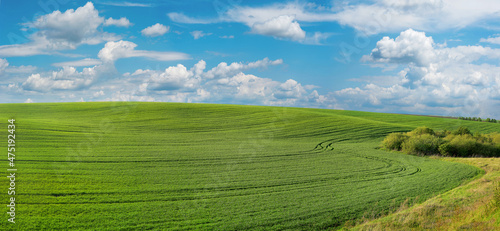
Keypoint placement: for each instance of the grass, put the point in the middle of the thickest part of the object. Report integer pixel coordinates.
(471, 206)
(97, 166)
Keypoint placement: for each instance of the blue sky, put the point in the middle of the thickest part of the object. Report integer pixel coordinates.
(421, 57)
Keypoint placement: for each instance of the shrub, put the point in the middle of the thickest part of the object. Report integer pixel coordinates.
(446, 149)
(422, 130)
(443, 133)
(462, 131)
(464, 145)
(394, 141)
(460, 143)
(425, 144)
(495, 137)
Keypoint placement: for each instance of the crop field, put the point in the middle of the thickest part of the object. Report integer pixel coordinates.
(140, 166)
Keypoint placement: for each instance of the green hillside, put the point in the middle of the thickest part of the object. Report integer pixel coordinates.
(139, 166)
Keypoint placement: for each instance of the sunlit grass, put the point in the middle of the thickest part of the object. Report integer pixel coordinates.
(199, 166)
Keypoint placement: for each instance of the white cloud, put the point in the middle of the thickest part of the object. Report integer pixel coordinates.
(126, 4)
(227, 36)
(370, 17)
(61, 31)
(173, 78)
(155, 30)
(179, 17)
(29, 101)
(72, 25)
(416, 48)
(429, 15)
(409, 47)
(198, 68)
(435, 79)
(300, 11)
(38, 45)
(279, 20)
(316, 39)
(248, 87)
(3, 65)
(66, 79)
(98, 93)
(122, 22)
(125, 49)
(290, 89)
(223, 83)
(199, 34)
(493, 40)
(20, 69)
(223, 70)
(120, 96)
(79, 63)
(283, 27)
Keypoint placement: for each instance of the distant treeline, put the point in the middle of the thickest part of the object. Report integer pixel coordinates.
(479, 119)
(459, 143)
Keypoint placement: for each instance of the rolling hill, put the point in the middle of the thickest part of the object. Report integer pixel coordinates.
(131, 165)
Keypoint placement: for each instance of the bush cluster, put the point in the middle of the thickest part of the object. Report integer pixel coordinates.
(479, 119)
(459, 143)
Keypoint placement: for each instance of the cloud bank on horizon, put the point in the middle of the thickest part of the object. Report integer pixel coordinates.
(436, 57)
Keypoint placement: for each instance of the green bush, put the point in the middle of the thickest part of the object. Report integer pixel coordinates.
(464, 145)
(443, 133)
(425, 144)
(460, 143)
(422, 130)
(446, 149)
(394, 141)
(495, 137)
(462, 131)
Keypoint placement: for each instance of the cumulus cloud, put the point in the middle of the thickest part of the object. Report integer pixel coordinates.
(198, 34)
(283, 27)
(173, 78)
(61, 31)
(125, 49)
(433, 79)
(155, 30)
(223, 70)
(122, 22)
(416, 48)
(222, 83)
(66, 79)
(290, 89)
(72, 25)
(409, 47)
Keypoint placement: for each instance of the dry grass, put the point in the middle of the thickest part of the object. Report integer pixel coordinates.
(472, 206)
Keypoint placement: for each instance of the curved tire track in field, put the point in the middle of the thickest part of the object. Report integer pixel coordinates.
(328, 145)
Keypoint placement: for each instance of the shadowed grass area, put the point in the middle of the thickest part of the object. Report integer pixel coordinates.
(94, 166)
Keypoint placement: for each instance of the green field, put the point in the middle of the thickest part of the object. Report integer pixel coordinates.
(139, 166)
